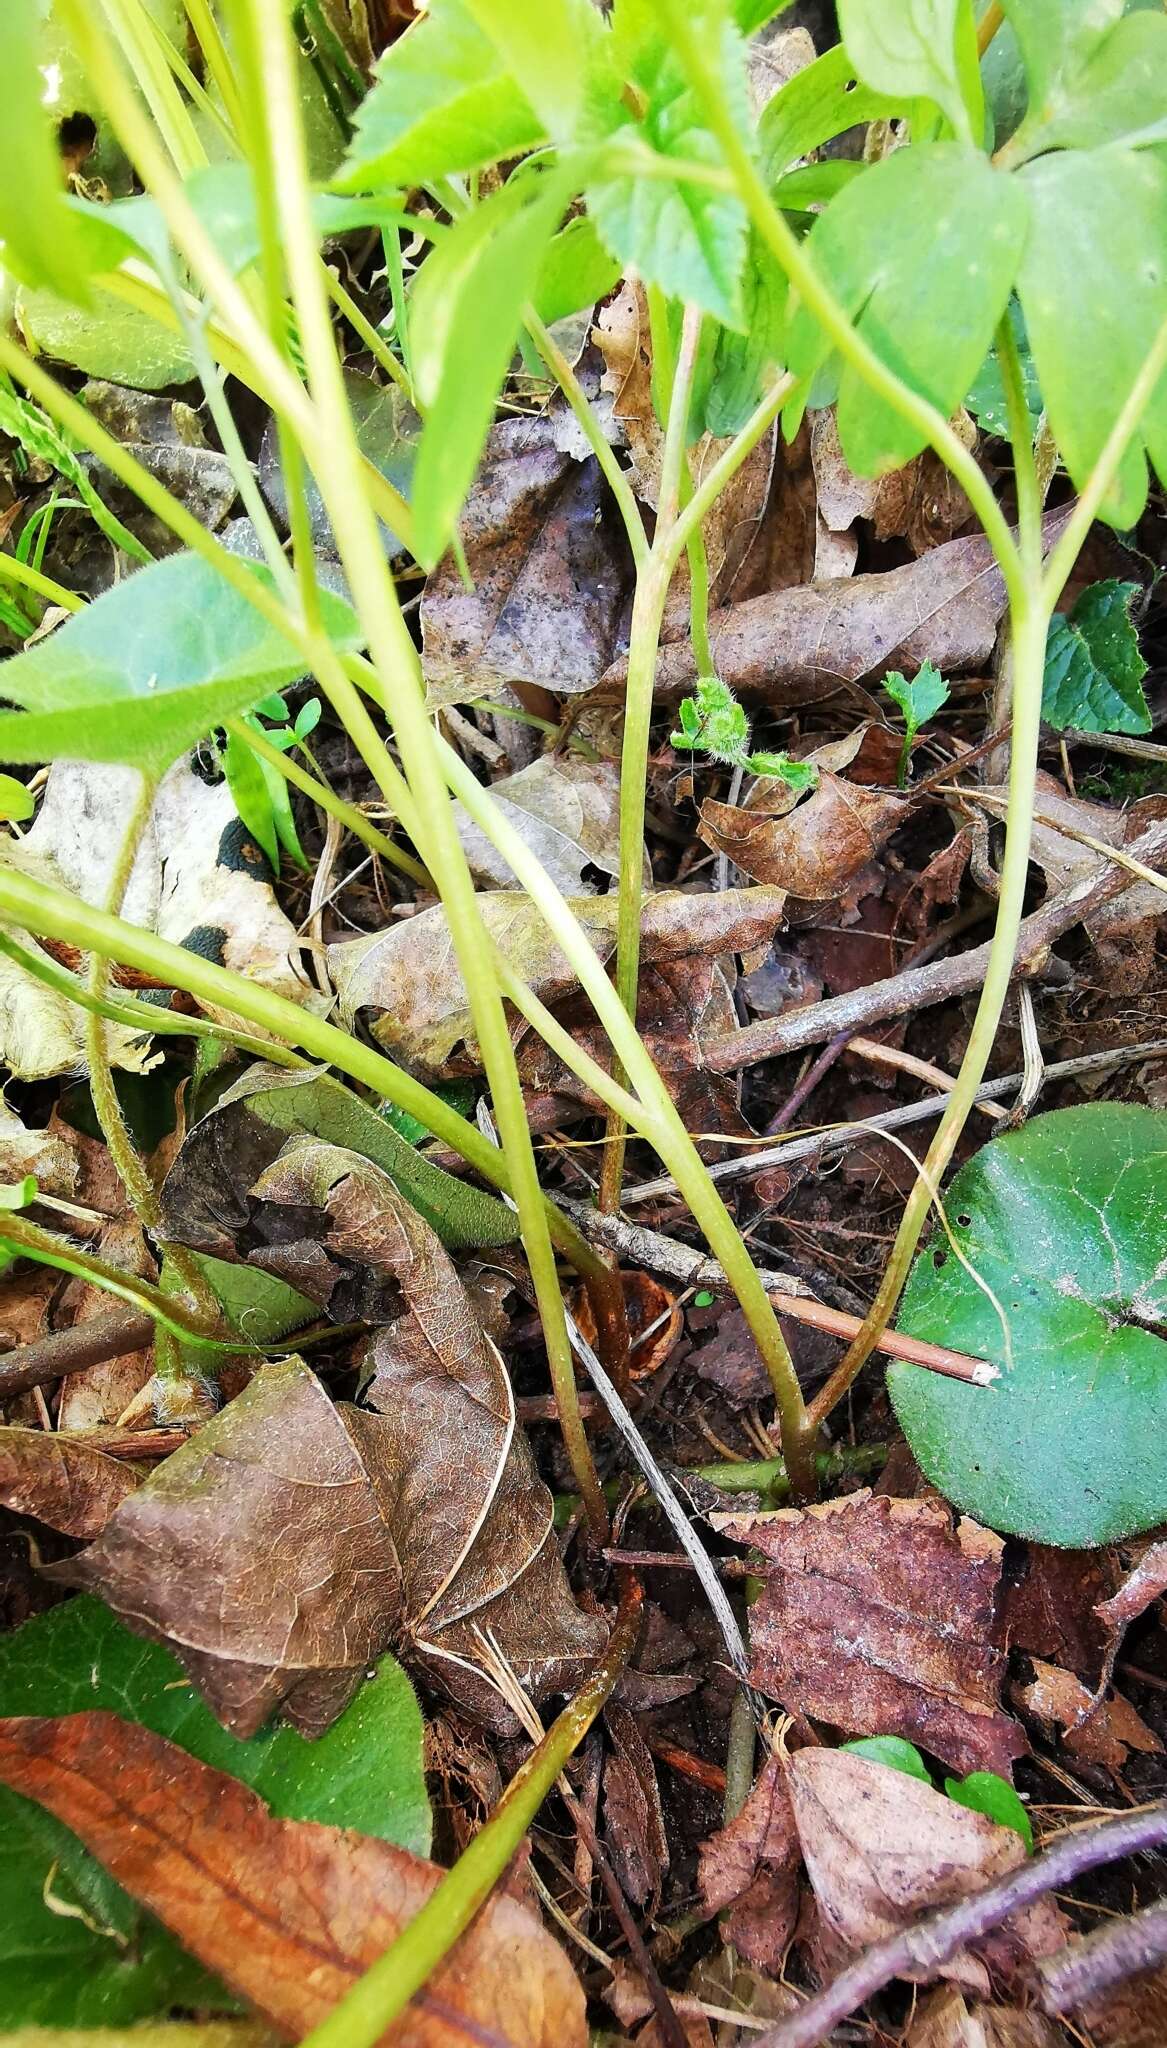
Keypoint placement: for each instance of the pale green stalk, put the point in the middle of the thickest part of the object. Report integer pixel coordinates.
(139, 45)
(376, 343)
(597, 441)
(214, 49)
(27, 578)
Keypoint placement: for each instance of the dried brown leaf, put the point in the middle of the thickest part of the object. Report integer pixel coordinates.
(1099, 1730)
(566, 809)
(69, 1485)
(551, 576)
(751, 1866)
(814, 851)
(634, 1824)
(877, 1615)
(922, 501)
(1144, 1583)
(1050, 1607)
(948, 2020)
(288, 1913)
(409, 975)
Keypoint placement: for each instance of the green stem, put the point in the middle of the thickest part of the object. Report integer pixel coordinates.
(139, 47)
(345, 814)
(362, 2016)
(739, 1755)
(376, 343)
(596, 439)
(214, 49)
(167, 1309)
(124, 1153)
(12, 570)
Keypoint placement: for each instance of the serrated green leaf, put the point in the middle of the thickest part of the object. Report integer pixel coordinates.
(913, 49)
(364, 1773)
(442, 101)
(893, 1751)
(1066, 1220)
(993, 1796)
(1093, 287)
(1093, 76)
(928, 227)
(1093, 668)
(466, 310)
(687, 238)
(783, 768)
(150, 666)
(919, 700)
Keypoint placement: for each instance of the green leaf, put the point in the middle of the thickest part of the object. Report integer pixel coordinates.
(703, 1299)
(818, 103)
(549, 45)
(741, 365)
(1093, 286)
(364, 1773)
(150, 666)
(927, 228)
(783, 768)
(1093, 77)
(986, 398)
(1093, 668)
(893, 1751)
(713, 722)
(986, 1793)
(251, 797)
(16, 800)
(576, 271)
(106, 338)
(690, 239)
(466, 308)
(912, 49)
(919, 701)
(442, 101)
(41, 243)
(259, 1307)
(1066, 1220)
(754, 14)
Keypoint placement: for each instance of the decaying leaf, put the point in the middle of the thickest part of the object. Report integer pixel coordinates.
(881, 1848)
(949, 2020)
(922, 501)
(288, 1913)
(67, 1484)
(292, 1539)
(1099, 1730)
(634, 1823)
(166, 436)
(877, 1615)
(566, 809)
(551, 577)
(814, 851)
(796, 646)
(198, 881)
(45, 1154)
(409, 975)
(1048, 1606)
(751, 1866)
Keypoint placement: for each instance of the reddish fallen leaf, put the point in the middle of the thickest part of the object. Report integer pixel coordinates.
(69, 1485)
(1100, 1731)
(751, 1866)
(1142, 1585)
(1050, 1608)
(655, 1321)
(877, 1615)
(635, 1825)
(881, 1848)
(814, 851)
(288, 1913)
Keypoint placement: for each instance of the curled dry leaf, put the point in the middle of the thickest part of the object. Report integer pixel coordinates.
(878, 1616)
(410, 978)
(922, 501)
(751, 1866)
(566, 809)
(948, 2020)
(1143, 1584)
(1099, 1730)
(792, 647)
(635, 1825)
(814, 851)
(552, 578)
(292, 1539)
(288, 1913)
(654, 1317)
(69, 1485)
(881, 1848)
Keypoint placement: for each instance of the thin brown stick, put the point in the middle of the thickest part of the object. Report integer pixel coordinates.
(671, 2030)
(932, 1942)
(908, 1063)
(1090, 1966)
(73, 1350)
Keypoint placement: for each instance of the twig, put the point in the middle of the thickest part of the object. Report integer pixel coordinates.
(1086, 1968)
(1116, 743)
(919, 987)
(924, 1070)
(837, 1137)
(659, 1254)
(932, 1942)
(73, 1350)
(671, 2031)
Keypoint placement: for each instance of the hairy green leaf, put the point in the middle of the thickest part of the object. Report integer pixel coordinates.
(988, 1793)
(150, 666)
(687, 237)
(928, 228)
(1093, 77)
(443, 101)
(913, 49)
(466, 309)
(75, 1950)
(1066, 1221)
(1093, 287)
(1093, 668)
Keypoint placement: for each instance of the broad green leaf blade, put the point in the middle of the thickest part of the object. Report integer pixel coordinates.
(1066, 1220)
(466, 308)
(549, 44)
(893, 1751)
(1093, 288)
(1093, 669)
(929, 227)
(16, 799)
(146, 670)
(690, 239)
(986, 398)
(920, 699)
(576, 271)
(754, 14)
(106, 338)
(911, 49)
(40, 242)
(1093, 78)
(985, 1792)
(252, 799)
(818, 103)
(442, 101)
(365, 1773)
(742, 365)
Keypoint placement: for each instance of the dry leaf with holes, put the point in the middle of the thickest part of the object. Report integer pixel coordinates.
(290, 1914)
(878, 1615)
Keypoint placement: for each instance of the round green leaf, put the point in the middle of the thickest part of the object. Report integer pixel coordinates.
(984, 1792)
(1066, 1220)
(893, 1751)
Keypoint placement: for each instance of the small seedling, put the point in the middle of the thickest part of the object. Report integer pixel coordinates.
(919, 701)
(982, 1791)
(259, 791)
(714, 723)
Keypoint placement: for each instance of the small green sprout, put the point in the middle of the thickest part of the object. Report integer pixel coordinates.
(714, 723)
(919, 701)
